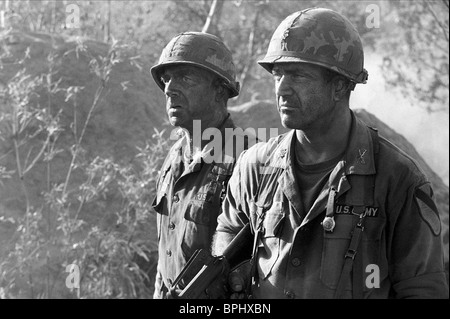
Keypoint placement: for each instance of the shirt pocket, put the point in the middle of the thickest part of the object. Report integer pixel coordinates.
(336, 244)
(269, 245)
(200, 222)
(212, 188)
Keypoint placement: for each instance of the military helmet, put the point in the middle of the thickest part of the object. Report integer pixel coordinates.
(318, 36)
(200, 49)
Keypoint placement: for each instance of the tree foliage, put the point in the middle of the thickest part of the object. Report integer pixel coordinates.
(415, 51)
(412, 37)
(76, 207)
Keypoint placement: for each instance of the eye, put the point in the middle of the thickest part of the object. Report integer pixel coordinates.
(277, 75)
(188, 79)
(298, 77)
(165, 78)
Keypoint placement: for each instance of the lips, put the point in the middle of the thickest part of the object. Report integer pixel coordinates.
(287, 102)
(290, 106)
(173, 107)
(287, 108)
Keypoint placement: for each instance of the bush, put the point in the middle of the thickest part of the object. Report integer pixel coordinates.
(94, 214)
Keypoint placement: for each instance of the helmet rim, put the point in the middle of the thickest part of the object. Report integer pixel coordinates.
(202, 50)
(157, 69)
(318, 36)
(268, 62)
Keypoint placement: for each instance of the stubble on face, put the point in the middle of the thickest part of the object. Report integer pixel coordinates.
(189, 95)
(303, 96)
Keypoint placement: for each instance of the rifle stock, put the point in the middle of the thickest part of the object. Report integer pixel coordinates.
(203, 269)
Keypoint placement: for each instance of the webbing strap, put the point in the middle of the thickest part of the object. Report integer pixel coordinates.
(358, 276)
(256, 239)
(350, 255)
(364, 196)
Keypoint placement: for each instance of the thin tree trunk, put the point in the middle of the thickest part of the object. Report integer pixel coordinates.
(107, 34)
(438, 21)
(3, 13)
(250, 52)
(53, 23)
(212, 21)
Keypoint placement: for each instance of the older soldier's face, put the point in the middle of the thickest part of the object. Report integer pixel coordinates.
(303, 96)
(189, 95)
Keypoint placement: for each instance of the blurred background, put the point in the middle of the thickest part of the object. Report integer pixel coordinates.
(83, 128)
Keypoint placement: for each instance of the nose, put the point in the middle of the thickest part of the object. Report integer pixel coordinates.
(171, 88)
(283, 86)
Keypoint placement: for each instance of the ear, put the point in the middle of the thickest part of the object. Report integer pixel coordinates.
(220, 93)
(340, 88)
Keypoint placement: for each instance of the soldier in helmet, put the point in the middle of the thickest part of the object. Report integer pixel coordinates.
(337, 211)
(197, 75)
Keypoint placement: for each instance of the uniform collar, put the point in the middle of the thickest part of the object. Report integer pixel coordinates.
(359, 157)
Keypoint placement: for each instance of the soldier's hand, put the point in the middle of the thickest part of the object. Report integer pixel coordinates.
(217, 290)
(173, 293)
(236, 282)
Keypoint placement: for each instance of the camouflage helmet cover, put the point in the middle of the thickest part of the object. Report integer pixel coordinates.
(200, 49)
(318, 36)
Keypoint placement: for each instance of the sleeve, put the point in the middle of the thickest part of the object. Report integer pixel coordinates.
(158, 293)
(234, 214)
(416, 263)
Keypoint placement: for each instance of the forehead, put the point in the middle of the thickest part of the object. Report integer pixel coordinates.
(187, 69)
(303, 67)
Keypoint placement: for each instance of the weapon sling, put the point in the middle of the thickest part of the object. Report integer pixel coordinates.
(256, 239)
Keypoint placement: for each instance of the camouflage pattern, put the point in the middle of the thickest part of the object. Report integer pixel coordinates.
(200, 49)
(318, 36)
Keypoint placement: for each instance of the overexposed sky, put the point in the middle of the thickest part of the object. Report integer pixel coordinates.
(429, 133)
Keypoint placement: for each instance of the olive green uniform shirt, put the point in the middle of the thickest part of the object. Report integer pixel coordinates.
(297, 258)
(187, 207)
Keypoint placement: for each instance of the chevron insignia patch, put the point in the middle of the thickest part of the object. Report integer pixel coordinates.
(427, 208)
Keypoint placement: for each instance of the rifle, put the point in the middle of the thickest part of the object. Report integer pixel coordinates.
(202, 269)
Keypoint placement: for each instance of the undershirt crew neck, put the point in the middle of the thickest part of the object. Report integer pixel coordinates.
(311, 178)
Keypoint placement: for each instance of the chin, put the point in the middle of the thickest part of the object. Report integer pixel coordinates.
(289, 124)
(174, 122)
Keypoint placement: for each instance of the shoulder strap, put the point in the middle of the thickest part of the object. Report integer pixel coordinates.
(364, 196)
